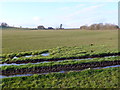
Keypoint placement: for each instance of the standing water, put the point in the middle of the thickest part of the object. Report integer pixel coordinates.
(2, 76)
(45, 54)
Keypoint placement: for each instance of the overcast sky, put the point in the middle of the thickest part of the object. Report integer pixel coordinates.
(52, 14)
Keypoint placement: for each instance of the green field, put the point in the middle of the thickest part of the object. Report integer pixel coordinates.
(104, 78)
(65, 45)
(29, 40)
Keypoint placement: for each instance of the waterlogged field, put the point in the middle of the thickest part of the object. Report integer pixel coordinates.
(64, 58)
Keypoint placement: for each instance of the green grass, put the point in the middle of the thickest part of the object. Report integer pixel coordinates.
(103, 78)
(14, 41)
(17, 41)
(61, 53)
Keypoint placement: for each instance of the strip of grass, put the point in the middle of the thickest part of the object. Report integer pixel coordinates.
(66, 62)
(102, 78)
(60, 53)
(21, 54)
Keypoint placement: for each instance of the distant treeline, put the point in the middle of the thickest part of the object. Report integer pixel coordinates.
(16, 28)
(100, 26)
(5, 26)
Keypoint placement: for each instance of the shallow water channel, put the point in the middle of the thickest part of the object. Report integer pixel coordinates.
(43, 54)
(2, 76)
(5, 64)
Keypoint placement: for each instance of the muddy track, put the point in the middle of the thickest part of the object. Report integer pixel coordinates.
(57, 59)
(58, 68)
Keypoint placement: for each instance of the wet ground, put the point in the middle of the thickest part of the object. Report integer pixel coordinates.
(1, 76)
(5, 64)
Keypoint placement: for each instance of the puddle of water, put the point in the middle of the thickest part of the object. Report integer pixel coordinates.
(5, 64)
(110, 56)
(15, 57)
(92, 58)
(2, 76)
(29, 56)
(23, 56)
(45, 54)
(107, 67)
(62, 71)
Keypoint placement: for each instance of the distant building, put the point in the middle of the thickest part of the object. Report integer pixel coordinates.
(41, 27)
(50, 28)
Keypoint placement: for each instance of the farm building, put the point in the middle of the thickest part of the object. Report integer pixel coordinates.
(41, 27)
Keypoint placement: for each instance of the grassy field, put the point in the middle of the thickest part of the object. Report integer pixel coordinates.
(28, 40)
(60, 44)
(103, 78)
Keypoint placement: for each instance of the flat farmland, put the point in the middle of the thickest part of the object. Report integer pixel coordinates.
(14, 41)
(60, 58)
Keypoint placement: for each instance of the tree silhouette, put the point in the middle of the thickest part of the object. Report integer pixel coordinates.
(4, 24)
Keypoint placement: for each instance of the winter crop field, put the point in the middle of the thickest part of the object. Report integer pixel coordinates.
(60, 59)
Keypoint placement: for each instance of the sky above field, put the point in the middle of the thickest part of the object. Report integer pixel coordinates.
(52, 14)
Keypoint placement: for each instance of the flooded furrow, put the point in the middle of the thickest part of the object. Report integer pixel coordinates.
(7, 64)
(57, 68)
(3, 76)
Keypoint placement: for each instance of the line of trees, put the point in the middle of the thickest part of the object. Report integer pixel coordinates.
(100, 26)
